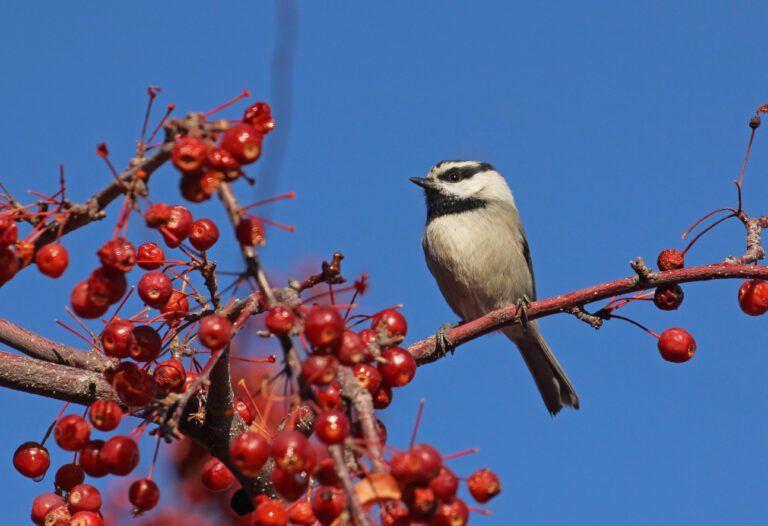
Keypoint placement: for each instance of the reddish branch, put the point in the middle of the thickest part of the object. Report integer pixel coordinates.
(424, 350)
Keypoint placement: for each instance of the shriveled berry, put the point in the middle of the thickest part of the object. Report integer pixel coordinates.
(31, 460)
(170, 376)
(189, 154)
(243, 142)
(150, 256)
(9, 264)
(114, 338)
(290, 486)
(178, 226)
(368, 377)
(383, 397)
(90, 459)
(191, 187)
(670, 259)
(52, 260)
(72, 432)
(82, 304)
(753, 297)
(106, 286)
(454, 513)
(84, 497)
(216, 476)
(215, 332)
(157, 215)
(676, 345)
(291, 451)
(259, 115)
(44, 504)
(105, 415)
(399, 368)
(204, 234)
(280, 321)
(327, 504)
(319, 369)
(134, 386)
(331, 427)
(270, 513)
(60, 516)
(117, 254)
(323, 328)
(390, 327)
(176, 308)
(144, 494)
(250, 232)
(668, 297)
(249, 452)
(421, 501)
(144, 344)
(483, 484)
(120, 455)
(155, 289)
(68, 476)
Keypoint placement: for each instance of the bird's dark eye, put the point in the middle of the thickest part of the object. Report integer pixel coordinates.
(454, 177)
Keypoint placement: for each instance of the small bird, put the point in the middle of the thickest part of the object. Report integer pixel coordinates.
(477, 251)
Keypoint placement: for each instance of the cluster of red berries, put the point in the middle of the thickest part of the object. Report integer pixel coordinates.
(51, 259)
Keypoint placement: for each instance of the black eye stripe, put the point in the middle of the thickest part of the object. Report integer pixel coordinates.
(459, 173)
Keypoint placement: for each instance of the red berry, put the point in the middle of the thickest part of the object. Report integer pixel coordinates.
(106, 286)
(155, 289)
(72, 432)
(193, 188)
(114, 338)
(399, 369)
(204, 234)
(668, 297)
(176, 308)
(216, 476)
(259, 115)
(9, 264)
(9, 231)
(215, 332)
(676, 345)
(31, 460)
(280, 321)
(250, 232)
(670, 259)
(352, 349)
(150, 256)
(243, 142)
(301, 514)
(86, 518)
(483, 484)
(430, 461)
(222, 161)
(244, 410)
(120, 455)
(390, 327)
(43, 504)
(291, 451)
(323, 328)
(135, 387)
(144, 344)
(68, 476)
(105, 415)
(331, 427)
(383, 397)
(381, 431)
(157, 215)
(329, 397)
(117, 254)
(368, 377)
(90, 459)
(249, 452)
(290, 486)
(753, 297)
(319, 369)
(327, 504)
(82, 303)
(58, 517)
(52, 260)
(454, 513)
(144, 494)
(84, 497)
(178, 226)
(270, 513)
(445, 485)
(421, 501)
(325, 473)
(170, 376)
(189, 154)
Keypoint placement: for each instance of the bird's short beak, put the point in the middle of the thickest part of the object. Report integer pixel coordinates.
(424, 183)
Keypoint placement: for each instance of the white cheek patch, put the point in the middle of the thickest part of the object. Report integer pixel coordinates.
(472, 187)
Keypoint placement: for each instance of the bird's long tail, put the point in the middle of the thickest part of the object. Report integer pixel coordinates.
(553, 384)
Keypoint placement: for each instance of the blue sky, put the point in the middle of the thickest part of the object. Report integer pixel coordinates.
(616, 125)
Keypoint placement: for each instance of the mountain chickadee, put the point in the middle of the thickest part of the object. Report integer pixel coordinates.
(476, 249)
